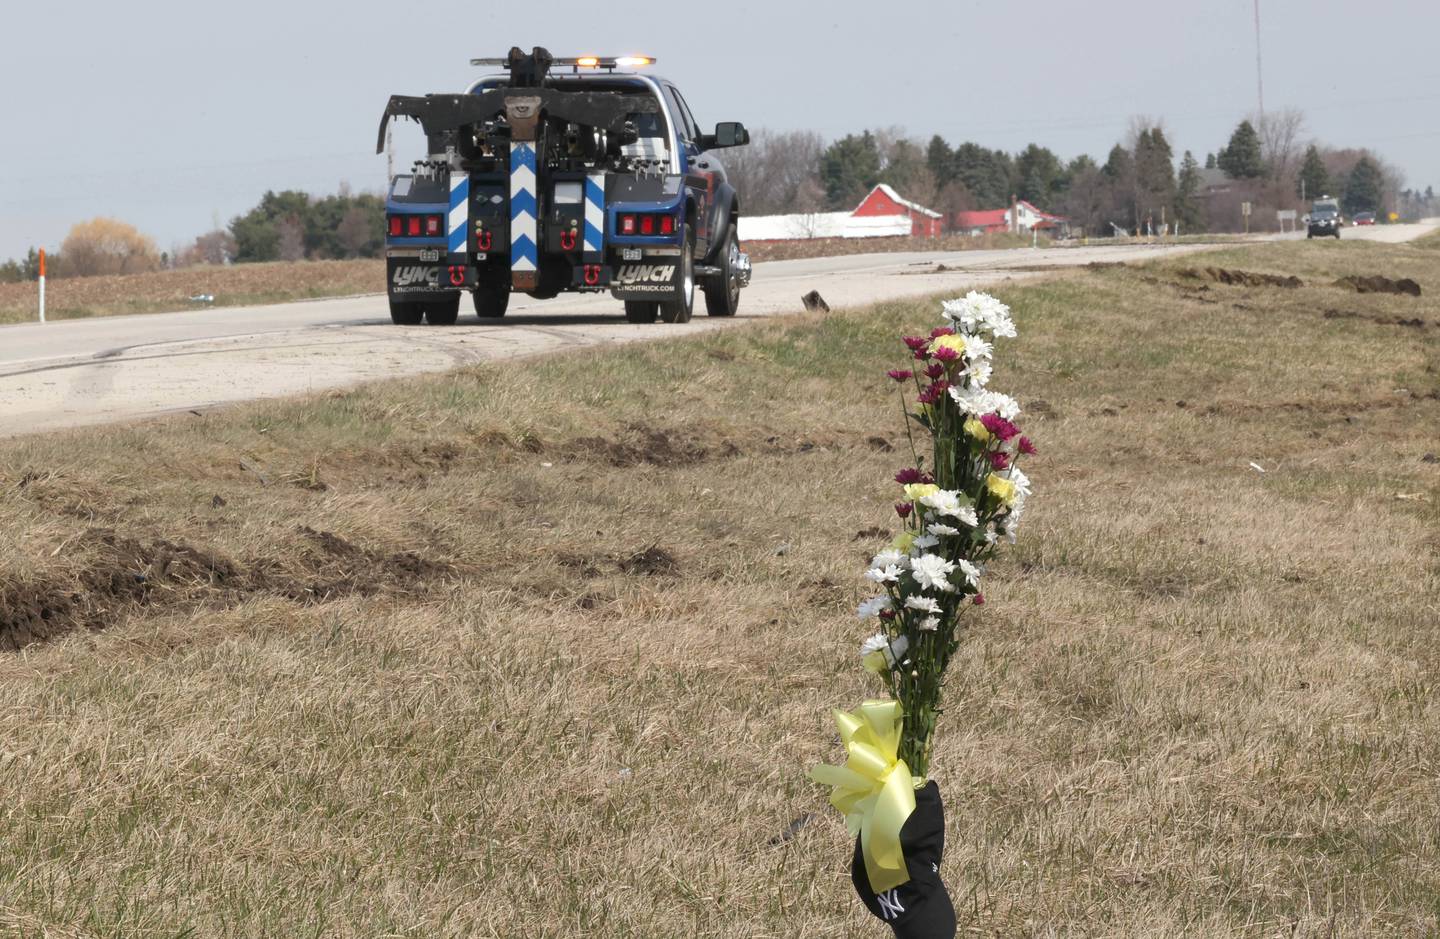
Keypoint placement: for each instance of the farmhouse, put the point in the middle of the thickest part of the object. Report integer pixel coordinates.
(1027, 218)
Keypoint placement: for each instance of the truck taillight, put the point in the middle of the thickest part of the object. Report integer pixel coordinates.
(432, 224)
(396, 225)
(627, 224)
(667, 224)
(412, 226)
(647, 224)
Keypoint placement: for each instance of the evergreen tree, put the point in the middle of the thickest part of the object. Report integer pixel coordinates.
(1241, 157)
(1363, 190)
(985, 173)
(1154, 172)
(1041, 175)
(1314, 179)
(1188, 213)
(850, 168)
(1210, 161)
(941, 160)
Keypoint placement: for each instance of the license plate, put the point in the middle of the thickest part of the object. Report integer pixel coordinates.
(429, 254)
(630, 254)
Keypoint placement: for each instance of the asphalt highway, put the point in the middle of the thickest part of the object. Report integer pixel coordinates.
(81, 372)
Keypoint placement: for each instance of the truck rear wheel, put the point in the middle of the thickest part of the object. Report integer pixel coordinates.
(722, 292)
(491, 300)
(679, 311)
(404, 313)
(444, 311)
(641, 311)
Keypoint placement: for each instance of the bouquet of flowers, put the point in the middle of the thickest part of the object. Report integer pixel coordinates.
(956, 508)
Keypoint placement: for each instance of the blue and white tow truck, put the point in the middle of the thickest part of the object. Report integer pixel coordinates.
(595, 179)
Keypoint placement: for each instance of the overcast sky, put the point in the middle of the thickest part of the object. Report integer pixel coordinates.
(176, 116)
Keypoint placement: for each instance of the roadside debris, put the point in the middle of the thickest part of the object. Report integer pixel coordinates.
(813, 301)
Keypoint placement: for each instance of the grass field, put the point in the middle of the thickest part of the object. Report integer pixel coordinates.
(544, 649)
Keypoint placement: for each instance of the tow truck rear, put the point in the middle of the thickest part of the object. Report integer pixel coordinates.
(596, 180)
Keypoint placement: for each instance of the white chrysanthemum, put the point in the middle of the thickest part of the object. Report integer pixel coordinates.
(937, 529)
(971, 572)
(948, 502)
(979, 311)
(873, 607)
(888, 574)
(1021, 481)
(979, 373)
(888, 557)
(978, 402)
(924, 542)
(932, 572)
(927, 604)
(893, 649)
(930, 624)
(976, 348)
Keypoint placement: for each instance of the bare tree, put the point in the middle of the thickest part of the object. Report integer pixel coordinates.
(292, 238)
(216, 247)
(360, 232)
(108, 246)
(772, 174)
(1279, 133)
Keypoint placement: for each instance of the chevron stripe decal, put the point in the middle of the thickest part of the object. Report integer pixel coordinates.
(594, 218)
(524, 256)
(459, 220)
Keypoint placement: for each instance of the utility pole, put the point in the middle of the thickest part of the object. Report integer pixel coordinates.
(1259, 73)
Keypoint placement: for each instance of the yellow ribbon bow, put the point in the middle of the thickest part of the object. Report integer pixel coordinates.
(873, 789)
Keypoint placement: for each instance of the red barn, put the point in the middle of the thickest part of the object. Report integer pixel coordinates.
(886, 202)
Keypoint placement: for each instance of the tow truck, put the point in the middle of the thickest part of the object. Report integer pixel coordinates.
(592, 180)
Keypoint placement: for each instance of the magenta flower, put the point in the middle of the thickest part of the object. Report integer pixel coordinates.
(934, 370)
(900, 374)
(1026, 447)
(979, 599)
(915, 342)
(946, 354)
(999, 461)
(998, 426)
(922, 355)
(939, 331)
(907, 476)
(903, 509)
(887, 614)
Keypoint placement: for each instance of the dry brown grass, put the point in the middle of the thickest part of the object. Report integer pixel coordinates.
(168, 291)
(1202, 700)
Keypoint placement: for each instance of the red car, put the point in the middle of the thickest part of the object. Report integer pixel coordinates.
(1364, 218)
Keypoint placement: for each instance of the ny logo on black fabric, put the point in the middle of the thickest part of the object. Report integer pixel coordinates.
(890, 903)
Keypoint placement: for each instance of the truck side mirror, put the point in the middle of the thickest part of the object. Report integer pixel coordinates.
(731, 134)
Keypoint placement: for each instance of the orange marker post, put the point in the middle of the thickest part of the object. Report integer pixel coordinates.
(42, 285)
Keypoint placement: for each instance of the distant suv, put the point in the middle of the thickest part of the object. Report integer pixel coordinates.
(1324, 218)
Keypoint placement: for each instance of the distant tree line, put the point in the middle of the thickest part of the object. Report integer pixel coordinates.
(284, 226)
(1141, 182)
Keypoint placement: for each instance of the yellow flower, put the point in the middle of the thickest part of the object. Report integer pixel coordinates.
(948, 342)
(974, 428)
(914, 492)
(1003, 489)
(904, 542)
